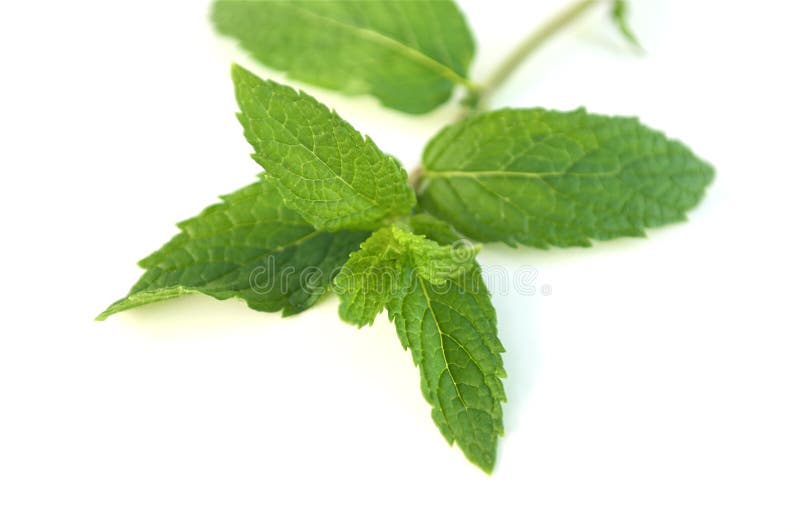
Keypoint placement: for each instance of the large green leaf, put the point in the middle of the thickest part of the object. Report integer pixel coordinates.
(442, 311)
(322, 167)
(409, 54)
(545, 178)
(251, 247)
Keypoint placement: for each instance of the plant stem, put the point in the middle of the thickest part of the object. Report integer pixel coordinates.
(531, 44)
(479, 96)
(414, 177)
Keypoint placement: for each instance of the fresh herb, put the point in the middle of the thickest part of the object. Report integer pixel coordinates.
(331, 203)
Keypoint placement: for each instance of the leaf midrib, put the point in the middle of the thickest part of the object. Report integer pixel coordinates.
(393, 44)
(441, 335)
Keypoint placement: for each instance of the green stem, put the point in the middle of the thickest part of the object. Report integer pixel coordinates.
(533, 42)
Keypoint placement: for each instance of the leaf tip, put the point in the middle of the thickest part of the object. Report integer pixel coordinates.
(238, 70)
(110, 311)
(485, 460)
(243, 78)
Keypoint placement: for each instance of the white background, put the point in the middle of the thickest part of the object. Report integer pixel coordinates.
(655, 389)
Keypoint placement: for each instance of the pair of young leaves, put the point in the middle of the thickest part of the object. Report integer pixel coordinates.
(332, 210)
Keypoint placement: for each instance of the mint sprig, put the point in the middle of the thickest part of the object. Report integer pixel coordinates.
(333, 212)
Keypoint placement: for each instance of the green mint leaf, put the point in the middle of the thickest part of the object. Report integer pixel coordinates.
(251, 247)
(372, 275)
(619, 14)
(408, 54)
(549, 178)
(442, 311)
(323, 168)
(451, 330)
